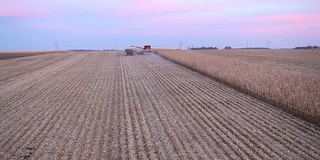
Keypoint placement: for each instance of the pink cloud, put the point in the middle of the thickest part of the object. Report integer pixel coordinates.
(154, 8)
(289, 18)
(289, 24)
(52, 27)
(25, 13)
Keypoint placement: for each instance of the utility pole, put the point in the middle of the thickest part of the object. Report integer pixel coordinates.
(56, 46)
(247, 44)
(180, 45)
(115, 46)
(269, 44)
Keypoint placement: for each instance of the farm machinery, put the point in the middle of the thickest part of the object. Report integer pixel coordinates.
(128, 52)
(146, 48)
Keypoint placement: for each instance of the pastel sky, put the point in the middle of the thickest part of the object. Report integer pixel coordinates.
(110, 24)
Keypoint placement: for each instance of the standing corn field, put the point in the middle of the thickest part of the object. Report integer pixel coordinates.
(288, 79)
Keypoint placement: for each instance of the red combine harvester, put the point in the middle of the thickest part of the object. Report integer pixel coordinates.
(146, 48)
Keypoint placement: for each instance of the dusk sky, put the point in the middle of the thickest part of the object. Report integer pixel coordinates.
(106, 24)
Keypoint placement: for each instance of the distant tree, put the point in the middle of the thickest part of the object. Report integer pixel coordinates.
(307, 47)
(202, 48)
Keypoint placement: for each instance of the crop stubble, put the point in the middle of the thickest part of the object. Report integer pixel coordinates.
(100, 105)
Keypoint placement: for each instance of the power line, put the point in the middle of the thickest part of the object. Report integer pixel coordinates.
(268, 44)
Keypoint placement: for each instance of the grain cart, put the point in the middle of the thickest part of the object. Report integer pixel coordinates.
(128, 52)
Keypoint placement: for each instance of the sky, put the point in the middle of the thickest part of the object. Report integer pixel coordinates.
(118, 24)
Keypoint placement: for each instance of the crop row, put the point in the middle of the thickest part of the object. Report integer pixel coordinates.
(104, 105)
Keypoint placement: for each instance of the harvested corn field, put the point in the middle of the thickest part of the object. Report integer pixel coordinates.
(104, 105)
(11, 55)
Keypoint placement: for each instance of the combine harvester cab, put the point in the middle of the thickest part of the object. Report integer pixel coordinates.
(147, 48)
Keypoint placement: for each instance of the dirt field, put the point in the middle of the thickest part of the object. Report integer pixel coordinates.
(11, 55)
(104, 105)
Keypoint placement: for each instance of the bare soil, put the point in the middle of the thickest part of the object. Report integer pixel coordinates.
(105, 105)
(11, 55)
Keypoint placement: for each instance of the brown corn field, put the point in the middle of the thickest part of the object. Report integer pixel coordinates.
(288, 79)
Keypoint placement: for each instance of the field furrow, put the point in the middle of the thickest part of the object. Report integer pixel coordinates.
(104, 105)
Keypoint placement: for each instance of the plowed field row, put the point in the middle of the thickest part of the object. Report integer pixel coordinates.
(104, 105)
